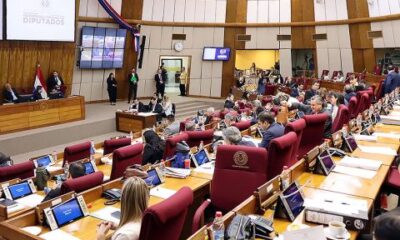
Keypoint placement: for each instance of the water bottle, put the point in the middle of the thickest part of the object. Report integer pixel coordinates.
(285, 178)
(55, 156)
(66, 170)
(218, 227)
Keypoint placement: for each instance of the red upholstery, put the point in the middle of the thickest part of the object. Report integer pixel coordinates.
(297, 127)
(217, 115)
(170, 145)
(242, 125)
(353, 107)
(194, 137)
(393, 179)
(266, 100)
(77, 152)
(241, 104)
(165, 220)
(270, 89)
(379, 91)
(245, 172)
(280, 154)
(245, 110)
(20, 170)
(313, 133)
(83, 183)
(362, 103)
(342, 117)
(125, 157)
(113, 144)
(198, 215)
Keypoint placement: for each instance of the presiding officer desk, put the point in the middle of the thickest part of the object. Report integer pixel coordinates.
(23, 116)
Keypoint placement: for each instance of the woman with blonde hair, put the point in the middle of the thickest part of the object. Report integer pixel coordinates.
(134, 200)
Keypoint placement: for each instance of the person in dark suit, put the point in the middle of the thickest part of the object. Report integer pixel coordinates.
(269, 128)
(229, 103)
(160, 79)
(37, 93)
(154, 147)
(138, 106)
(312, 92)
(391, 81)
(55, 84)
(155, 107)
(133, 80)
(10, 94)
(112, 88)
(316, 107)
(348, 93)
(297, 90)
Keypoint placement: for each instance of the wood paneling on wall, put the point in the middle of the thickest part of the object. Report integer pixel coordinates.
(303, 11)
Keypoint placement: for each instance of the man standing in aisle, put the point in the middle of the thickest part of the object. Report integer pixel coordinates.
(133, 80)
(183, 82)
(160, 82)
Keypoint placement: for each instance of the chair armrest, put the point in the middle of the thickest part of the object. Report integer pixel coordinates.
(198, 215)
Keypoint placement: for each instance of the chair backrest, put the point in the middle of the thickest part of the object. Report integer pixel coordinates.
(342, 117)
(165, 220)
(363, 103)
(125, 157)
(20, 170)
(280, 154)
(324, 72)
(353, 103)
(240, 166)
(379, 90)
(297, 127)
(170, 144)
(313, 133)
(270, 89)
(195, 137)
(83, 183)
(76, 152)
(242, 125)
(112, 144)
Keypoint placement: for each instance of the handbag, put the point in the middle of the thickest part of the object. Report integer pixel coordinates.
(240, 228)
(135, 171)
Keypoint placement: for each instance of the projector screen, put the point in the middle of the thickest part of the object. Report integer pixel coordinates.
(41, 20)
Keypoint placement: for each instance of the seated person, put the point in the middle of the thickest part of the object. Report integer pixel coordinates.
(296, 91)
(241, 81)
(76, 169)
(313, 91)
(155, 107)
(54, 85)
(209, 115)
(316, 107)
(153, 147)
(5, 160)
(10, 94)
(37, 93)
(134, 201)
(137, 106)
(190, 126)
(326, 76)
(348, 93)
(167, 106)
(270, 129)
(339, 77)
(228, 120)
(173, 126)
(250, 87)
(229, 102)
(232, 136)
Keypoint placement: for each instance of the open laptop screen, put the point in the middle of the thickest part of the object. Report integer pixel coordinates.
(153, 179)
(20, 190)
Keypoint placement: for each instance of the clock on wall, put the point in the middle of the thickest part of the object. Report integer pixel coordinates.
(178, 46)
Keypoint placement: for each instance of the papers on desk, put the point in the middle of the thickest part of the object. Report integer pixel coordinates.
(161, 192)
(100, 151)
(15, 208)
(107, 214)
(146, 114)
(357, 172)
(31, 201)
(393, 120)
(367, 138)
(387, 135)
(54, 168)
(378, 150)
(313, 233)
(58, 234)
(177, 172)
(207, 168)
(362, 163)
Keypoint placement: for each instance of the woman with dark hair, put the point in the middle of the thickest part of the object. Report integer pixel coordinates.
(335, 99)
(154, 147)
(112, 88)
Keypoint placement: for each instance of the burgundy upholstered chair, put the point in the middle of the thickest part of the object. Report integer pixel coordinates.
(113, 144)
(297, 127)
(353, 103)
(270, 89)
(165, 220)
(77, 152)
(313, 133)
(280, 154)
(362, 103)
(379, 90)
(125, 157)
(20, 170)
(242, 125)
(265, 100)
(342, 117)
(170, 144)
(194, 137)
(83, 183)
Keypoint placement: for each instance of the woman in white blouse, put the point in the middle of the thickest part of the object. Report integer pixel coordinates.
(335, 100)
(134, 200)
(167, 106)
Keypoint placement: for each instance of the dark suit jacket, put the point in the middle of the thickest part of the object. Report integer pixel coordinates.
(158, 108)
(36, 95)
(129, 78)
(295, 92)
(110, 83)
(8, 96)
(142, 107)
(348, 96)
(52, 82)
(158, 79)
(229, 104)
(274, 131)
(390, 83)
(309, 94)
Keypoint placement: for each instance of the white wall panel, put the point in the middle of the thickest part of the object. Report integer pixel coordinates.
(97, 91)
(387, 31)
(179, 12)
(197, 55)
(271, 38)
(333, 41)
(158, 10)
(343, 36)
(384, 8)
(189, 37)
(377, 42)
(319, 10)
(273, 15)
(117, 5)
(252, 7)
(194, 87)
(87, 75)
(86, 89)
(396, 32)
(209, 15)
(335, 62)
(208, 37)
(83, 8)
(341, 9)
(285, 13)
(200, 10)
(153, 62)
(92, 8)
(323, 60)
(206, 69)
(285, 56)
(216, 69)
(205, 89)
(155, 37)
(330, 10)
(98, 76)
(166, 38)
(75, 89)
(169, 10)
(321, 43)
(285, 31)
(220, 11)
(198, 37)
(190, 8)
(261, 38)
(373, 8)
(147, 13)
(218, 36)
(253, 42)
(101, 12)
(263, 12)
(394, 7)
(216, 87)
(347, 60)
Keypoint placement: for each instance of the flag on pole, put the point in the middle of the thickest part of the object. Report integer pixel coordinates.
(39, 81)
(136, 36)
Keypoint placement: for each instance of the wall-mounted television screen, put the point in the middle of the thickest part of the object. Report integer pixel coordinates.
(216, 54)
(102, 47)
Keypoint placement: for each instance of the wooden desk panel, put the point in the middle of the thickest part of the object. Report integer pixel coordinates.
(127, 122)
(22, 116)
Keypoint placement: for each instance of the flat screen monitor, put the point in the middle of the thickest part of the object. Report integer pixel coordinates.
(351, 143)
(200, 158)
(216, 54)
(153, 179)
(44, 161)
(67, 212)
(89, 169)
(20, 190)
(293, 200)
(326, 162)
